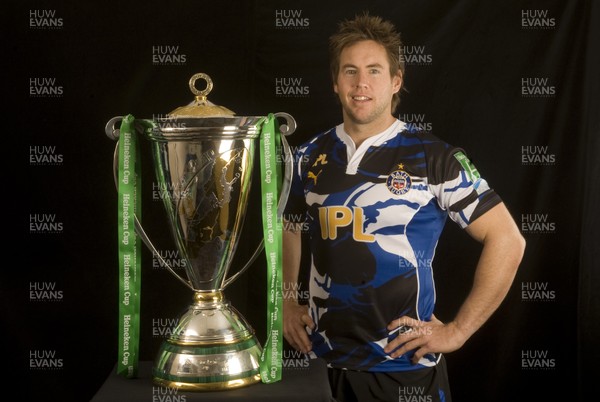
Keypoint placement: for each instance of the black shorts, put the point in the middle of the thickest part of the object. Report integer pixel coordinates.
(429, 384)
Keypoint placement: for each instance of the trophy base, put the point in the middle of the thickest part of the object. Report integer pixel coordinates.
(212, 348)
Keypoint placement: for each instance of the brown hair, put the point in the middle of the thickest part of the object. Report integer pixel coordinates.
(366, 27)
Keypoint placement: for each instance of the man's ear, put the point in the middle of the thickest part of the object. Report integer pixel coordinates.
(397, 81)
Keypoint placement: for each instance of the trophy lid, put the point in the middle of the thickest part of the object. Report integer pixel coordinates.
(203, 120)
(201, 106)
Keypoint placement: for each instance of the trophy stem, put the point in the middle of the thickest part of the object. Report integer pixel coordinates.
(212, 348)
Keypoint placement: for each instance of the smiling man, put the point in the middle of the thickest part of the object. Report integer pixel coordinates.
(375, 195)
(365, 87)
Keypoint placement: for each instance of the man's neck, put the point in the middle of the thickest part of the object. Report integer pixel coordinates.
(360, 132)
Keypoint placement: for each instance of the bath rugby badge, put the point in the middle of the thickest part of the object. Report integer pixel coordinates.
(398, 182)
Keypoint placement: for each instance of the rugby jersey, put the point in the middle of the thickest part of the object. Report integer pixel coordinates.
(374, 218)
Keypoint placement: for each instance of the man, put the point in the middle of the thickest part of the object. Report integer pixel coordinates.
(375, 195)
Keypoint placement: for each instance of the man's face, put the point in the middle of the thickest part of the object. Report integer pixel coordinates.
(364, 84)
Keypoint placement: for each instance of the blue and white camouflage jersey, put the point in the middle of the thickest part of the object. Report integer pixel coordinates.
(374, 217)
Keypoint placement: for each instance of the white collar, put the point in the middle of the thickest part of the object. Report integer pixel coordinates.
(354, 154)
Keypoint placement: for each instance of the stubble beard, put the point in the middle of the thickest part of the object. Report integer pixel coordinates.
(379, 112)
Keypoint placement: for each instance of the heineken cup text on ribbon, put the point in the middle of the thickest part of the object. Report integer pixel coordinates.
(129, 205)
(271, 364)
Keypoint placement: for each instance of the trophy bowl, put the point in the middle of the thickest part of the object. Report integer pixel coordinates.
(203, 161)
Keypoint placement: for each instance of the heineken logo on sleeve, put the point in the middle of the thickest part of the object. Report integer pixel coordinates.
(469, 168)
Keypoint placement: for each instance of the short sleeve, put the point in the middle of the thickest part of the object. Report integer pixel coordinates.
(457, 184)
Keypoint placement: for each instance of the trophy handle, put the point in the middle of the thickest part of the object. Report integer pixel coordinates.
(286, 129)
(113, 133)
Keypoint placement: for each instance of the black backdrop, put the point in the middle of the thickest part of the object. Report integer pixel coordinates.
(515, 83)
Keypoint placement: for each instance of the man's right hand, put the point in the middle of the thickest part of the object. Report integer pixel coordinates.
(295, 321)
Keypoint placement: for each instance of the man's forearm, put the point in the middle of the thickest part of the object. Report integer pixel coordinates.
(500, 257)
(292, 252)
(491, 284)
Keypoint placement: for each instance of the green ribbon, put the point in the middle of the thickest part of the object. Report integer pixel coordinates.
(270, 360)
(130, 262)
(129, 206)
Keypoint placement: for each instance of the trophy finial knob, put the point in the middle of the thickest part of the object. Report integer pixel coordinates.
(202, 94)
(201, 106)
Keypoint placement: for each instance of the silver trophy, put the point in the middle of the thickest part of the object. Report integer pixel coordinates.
(203, 160)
